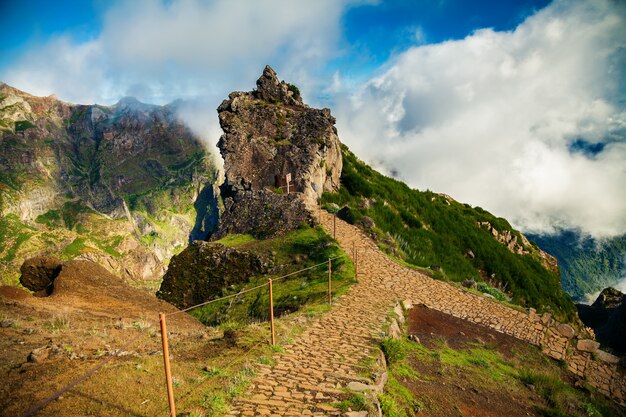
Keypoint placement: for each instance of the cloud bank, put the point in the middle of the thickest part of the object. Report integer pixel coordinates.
(529, 124)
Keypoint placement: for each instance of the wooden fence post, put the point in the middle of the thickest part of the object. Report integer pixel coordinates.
(166, 361)
(356, 264)
(329, 283)
(272, 312)
(335, 226)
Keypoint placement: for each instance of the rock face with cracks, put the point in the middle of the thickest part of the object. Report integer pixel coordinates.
(269, 136)
(203, 270)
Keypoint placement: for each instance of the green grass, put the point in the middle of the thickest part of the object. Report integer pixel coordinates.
(427, 230)
(297, 250)
(356, 402)
(13, 233)
(50, 218)
(22, 125)
(483, 365)
(75, 248)
(10, 180)
(236, 240)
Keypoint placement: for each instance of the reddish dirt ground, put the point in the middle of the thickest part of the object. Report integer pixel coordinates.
(453, 391)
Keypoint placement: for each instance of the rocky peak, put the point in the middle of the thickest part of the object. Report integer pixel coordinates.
(270, 89)
(269, 136)
(609, 298)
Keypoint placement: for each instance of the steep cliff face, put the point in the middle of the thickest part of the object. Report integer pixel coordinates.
(607, 317)
(269, 135)
(115, 184)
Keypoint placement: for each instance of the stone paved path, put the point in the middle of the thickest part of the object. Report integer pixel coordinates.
(314, 371)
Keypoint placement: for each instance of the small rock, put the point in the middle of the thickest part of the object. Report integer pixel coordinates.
(394, 330)
(39, 355)
(367, 222)
(7, 323)
(359, 386)
(356, 414)
(469, 283)
(398, 310)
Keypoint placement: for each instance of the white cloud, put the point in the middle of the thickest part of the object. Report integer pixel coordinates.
(200, 50)
(490, 119)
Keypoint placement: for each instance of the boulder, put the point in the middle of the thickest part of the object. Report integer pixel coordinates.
(367, 222)
(39, 273)
(607, 357)
(204, 270)
(346, 214)
(469, 283)
(39, 355)
(566, 330)
(588, 345)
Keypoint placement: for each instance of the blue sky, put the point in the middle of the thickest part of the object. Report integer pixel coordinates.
(370, 32)
(518, 107)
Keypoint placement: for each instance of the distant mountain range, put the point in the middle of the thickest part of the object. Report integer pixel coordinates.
(124, 185)
(587, 265)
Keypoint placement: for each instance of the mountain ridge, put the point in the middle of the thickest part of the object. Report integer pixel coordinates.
(116, 184)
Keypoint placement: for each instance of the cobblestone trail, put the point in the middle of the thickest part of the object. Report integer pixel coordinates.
(314, 371)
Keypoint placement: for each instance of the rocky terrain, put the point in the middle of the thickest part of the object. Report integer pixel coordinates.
(270, 135)
(607, 317)
(115, 184)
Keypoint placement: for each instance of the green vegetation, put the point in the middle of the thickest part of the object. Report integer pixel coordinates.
(295, 90)
(75, 248)
(236, 240)
(587, 265)
(300, 249)
(482, 366)
(356, 402)
(560, 396)
(70, 212)
(9, 180)
(13, 233)
(434, 232)
(51, 218)
(22, 125)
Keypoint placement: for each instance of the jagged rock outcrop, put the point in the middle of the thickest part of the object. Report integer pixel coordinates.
(510, 240)
(269, 134)
(122, 185)
(607, 317)
(203, 270)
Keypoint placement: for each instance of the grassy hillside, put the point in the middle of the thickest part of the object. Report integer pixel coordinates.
(587, 265)
(444, 237)
(297, 250)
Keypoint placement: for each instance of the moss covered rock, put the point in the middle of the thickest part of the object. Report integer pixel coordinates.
(204, 270)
